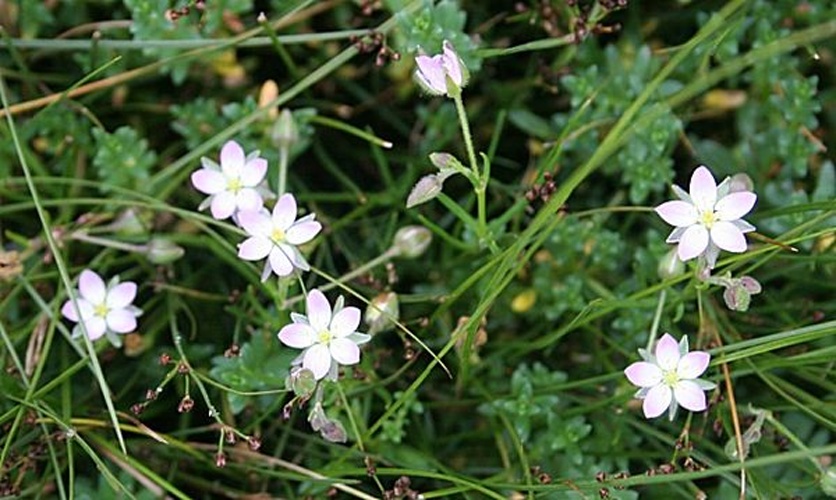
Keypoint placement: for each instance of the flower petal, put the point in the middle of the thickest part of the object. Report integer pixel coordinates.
(68, 311)
(689, 395)
(692, 242)
(279, 262)
(255, 248)
(658, 400)
(253, 172)
(643, 374)
(703, 189)
(431, 72)
(728, 237)
(121, 321)
(344, 351)
(299, 234)
(345, 322)
(223, 205)
(96, 327)
(693, 364)
(676, 235)
(452, 64)
(92, 287)
(295, 256)
(319, 310)
(667, 353)
(284, 213)
(318, 360)
(121, 295)
(735, 205)
(248, 200)
(297, 335)
(208, 181)
(232, 159)
(256, 223)
(677, 213)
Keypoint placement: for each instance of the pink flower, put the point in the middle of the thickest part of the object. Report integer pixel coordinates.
(668, 378)
(232, 185)
(277, 236)
(708, 218)
(103, 309)
(329, 338)
(436, 74)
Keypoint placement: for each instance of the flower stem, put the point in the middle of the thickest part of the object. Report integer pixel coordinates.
(657, 316)
(284, 152)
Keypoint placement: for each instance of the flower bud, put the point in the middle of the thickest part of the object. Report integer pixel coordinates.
(411, 241)
(737, 298)
(128, 222)
(285, 133)
(670, 266)
(301, 381)
(427, 188)
(382, 312)
(828, 482)
(163, 251)
(442, 74)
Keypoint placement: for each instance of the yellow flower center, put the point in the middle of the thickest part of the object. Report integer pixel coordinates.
(670, 377)
(708, 218)
(101, 310)
(233, 185)
(324, 337)
(278, 236)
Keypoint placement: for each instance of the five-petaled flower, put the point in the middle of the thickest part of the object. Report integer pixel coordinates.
(441, 74)
(232, 185)
(708, 218)
(103, 308)
(669, 378)
(329, 338)
(277, 236)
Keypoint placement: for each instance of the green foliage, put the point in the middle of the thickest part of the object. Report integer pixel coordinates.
(123, 159)
(262, 365)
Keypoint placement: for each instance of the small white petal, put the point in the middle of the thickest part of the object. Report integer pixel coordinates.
(689, 395)
(248, 200)
(121, 295)
(667, 352)
(452, 64)
(693, 364)
(676, 235)
(255, 248)
(295, 256)
(677, 213)
(253, 172)
(735, 205)
(208, 181)
(232, 159)
(68, 311)
(703, 189)
(643, 374)
(96, 327)
(728, 237)
(297, 335)
(344, 351)
(284, 213)
(92, 287)
(279, 262)
(693, 242)
(432, 73)
(121, 321)
(658, 400)
(319, 310)
(223, 205)
(299, 234)
(318, 360)
(255, 223)
(345, 322)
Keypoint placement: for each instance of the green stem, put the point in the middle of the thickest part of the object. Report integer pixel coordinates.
(657, 316)
(284, 152)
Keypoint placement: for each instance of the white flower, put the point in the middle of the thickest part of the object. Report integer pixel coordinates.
(232, 185)
(669, 378)
(708, 218)
(103, 309)
(277, 236)
(433, 72)
(329, 339)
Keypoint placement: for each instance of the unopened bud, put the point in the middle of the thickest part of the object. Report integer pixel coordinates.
(737, 298)
(426, 189)
(411, 241)
(128, 223)
(220, 460)
(285, 133)
(741, 182)
(828, 482)
(670, 266)
(301, 381)
(186, 404)
(750, 284)
(382, 312)
(163, 251)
